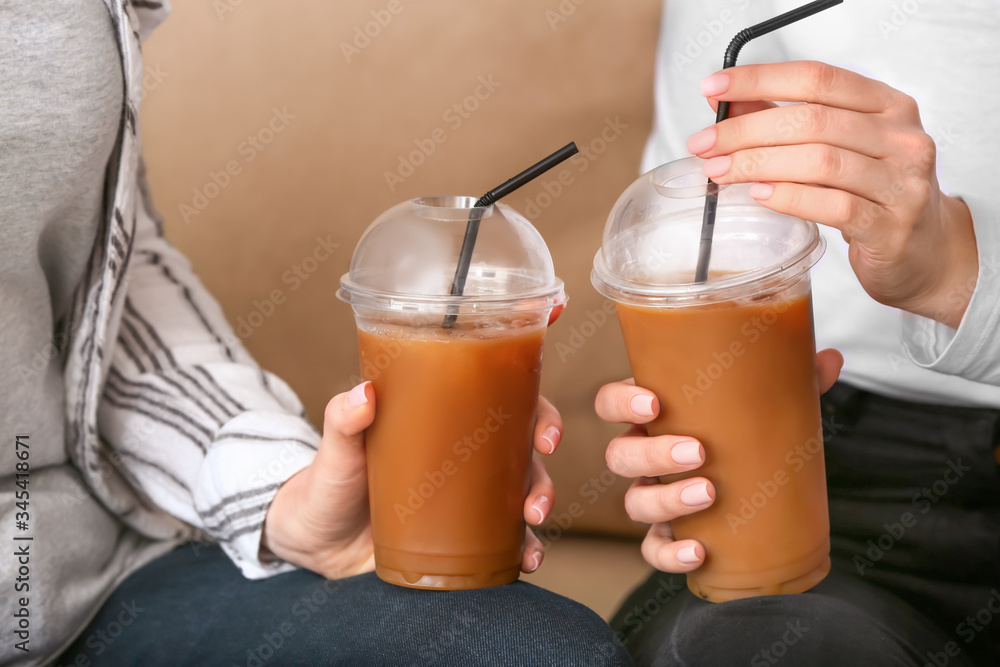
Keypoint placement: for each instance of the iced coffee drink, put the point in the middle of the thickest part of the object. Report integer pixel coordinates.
(733, 364)
(449, 452)
(456, 389)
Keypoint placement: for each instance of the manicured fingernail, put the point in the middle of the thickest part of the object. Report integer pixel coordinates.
(687, 555)
(642, 405)
(356, 398)
(715, 85)
(540, 507)
(717, 166)
(552, 436)
(686, 452)
(699, 142)
(536, 561)
(696, 494)
(761, 191)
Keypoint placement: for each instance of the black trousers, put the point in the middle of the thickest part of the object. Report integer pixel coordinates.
(915, 520)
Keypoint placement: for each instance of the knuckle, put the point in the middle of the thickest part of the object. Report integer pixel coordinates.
(820, 78)
(610, 404)
(746, 163)
(844, 208)
(653, 460)
(794, 197)
(623, 404)
(828, 162)
(865, 216)
(920, 191)
(733, 134)
(634, 504)
(600, 401)
(615, 456)
(655, 552)
(651, 551)
(818, 119)
(906, 105)
(921, 149)
(664, 500)
(332, 411)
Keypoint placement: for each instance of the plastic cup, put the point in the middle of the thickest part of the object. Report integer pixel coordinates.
(449, 452)
(733, 364)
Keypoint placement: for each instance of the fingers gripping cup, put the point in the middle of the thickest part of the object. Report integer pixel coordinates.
(456, 386)
(733, 363)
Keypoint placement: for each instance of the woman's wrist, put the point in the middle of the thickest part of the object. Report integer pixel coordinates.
(292, 533)
(961, 259)
(274, 539)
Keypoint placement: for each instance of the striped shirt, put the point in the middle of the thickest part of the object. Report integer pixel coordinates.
(175, 431)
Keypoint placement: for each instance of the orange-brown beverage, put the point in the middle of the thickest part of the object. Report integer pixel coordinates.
(449, 452)
(741, 377)
(455, 365)
(732, 361)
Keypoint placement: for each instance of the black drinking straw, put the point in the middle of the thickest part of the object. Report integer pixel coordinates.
(476, 214)
(732, 53)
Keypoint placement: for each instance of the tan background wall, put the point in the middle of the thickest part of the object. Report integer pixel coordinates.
(327, 130)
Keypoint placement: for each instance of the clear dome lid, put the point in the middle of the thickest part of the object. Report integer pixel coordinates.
(649, 252)
(407, 258)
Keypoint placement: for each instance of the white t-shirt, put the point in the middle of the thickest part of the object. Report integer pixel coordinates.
(946, 56)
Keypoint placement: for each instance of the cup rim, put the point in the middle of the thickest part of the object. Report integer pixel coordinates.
(661, 177)
(685, 294)
(513, 302)
(448, 207)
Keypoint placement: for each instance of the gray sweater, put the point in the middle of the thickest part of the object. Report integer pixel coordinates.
(132, 417)
(59, 117)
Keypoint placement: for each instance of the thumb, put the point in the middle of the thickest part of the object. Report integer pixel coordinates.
(828, 365)
(347, 416)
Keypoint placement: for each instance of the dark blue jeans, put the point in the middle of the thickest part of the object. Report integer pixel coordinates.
(193, 607)
(915, 543)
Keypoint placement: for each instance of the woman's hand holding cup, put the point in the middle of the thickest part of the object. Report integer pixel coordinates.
(636, 454)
